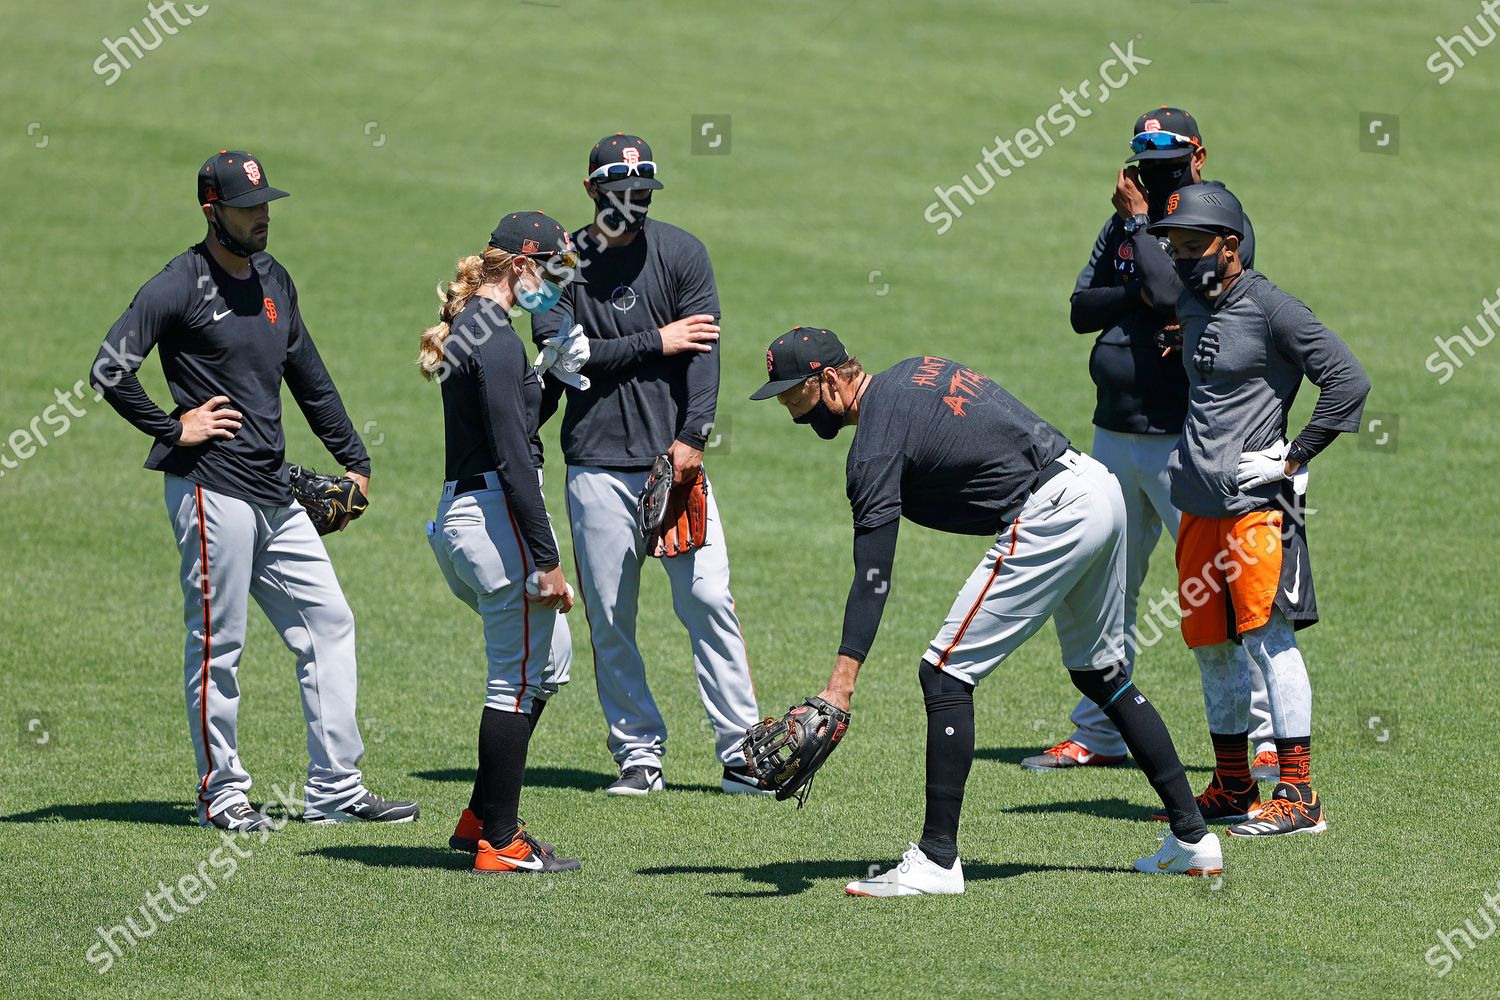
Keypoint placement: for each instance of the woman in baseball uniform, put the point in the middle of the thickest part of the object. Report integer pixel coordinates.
(492, 538)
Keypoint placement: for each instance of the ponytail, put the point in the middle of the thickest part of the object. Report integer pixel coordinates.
(470, 273)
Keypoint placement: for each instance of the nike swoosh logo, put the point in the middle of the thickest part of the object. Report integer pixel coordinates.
(532, 863)
(1291, 592)
(1162, 866)
(1085, 757)
(220, 315)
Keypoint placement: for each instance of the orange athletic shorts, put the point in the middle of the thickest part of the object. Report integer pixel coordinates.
(1229, 572)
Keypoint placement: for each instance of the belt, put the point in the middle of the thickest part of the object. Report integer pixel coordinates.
(471, 484)
(1067, 461)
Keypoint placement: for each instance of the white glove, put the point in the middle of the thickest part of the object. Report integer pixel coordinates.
(1257, 468)
(564, 355)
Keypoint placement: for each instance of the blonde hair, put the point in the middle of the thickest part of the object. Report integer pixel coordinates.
(469, 274)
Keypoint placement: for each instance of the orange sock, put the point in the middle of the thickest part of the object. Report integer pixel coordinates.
(1295, 758)
(1232, 760)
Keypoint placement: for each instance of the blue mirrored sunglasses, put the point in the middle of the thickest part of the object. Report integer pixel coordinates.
(1161, 140)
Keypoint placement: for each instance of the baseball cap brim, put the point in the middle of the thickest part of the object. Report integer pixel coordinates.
(257, 197)
(1161, 228)
(630, 184)
(776, 387)
(1177, 153)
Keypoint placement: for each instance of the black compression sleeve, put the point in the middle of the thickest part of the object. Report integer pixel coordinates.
(874, 556)
(1310, 442)
(1094, 309)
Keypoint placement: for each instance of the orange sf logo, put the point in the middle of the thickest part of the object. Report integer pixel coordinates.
(1172, 203)
(270, 310)
(770, 363)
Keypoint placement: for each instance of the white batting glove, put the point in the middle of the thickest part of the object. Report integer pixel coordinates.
(1257, 468)
(564, 355)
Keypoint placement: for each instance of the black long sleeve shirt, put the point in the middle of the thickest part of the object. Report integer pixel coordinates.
(491, 411)
(218, 335)
(640, 400)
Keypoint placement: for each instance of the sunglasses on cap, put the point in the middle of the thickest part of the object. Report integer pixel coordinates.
(609, 171)
(1161, 140)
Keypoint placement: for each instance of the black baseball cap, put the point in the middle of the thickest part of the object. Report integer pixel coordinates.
(801, 352)
(1164, 119)
(235, 178)
(531, 234)
(622, 147)
(1208, 208)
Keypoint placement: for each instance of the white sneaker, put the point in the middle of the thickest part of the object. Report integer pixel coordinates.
(1177, 858)
(915, 875)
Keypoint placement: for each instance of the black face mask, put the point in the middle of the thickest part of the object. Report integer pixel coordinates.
(616, 221)
(1160, 179)
(824, 422)
(1201, 275)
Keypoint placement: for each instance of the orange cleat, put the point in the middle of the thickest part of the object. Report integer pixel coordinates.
(467, 833)
(1069, 754)
(521, 855)
(1292, 809)
(1266, 766)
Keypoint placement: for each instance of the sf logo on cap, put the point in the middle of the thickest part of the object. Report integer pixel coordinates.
(1152, 125)
(530, 246)
(1172, 203)
(252, 171)
(631, 154)
(770, 363)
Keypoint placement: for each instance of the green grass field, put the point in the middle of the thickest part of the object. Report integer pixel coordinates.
(404, 131)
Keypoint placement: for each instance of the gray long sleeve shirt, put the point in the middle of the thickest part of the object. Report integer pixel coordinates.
(1246, 355)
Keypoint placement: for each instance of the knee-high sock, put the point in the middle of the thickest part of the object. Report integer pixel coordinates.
(476, 796)
(503, 740)
(950, 754)
(1226, 687)
(1150, 744)
(1274, 647)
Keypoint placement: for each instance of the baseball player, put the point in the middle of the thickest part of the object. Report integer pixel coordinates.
(1242, 558)
(223, 315)
(947, 448)
(1127, 293)
(491, 536)
(649, 310)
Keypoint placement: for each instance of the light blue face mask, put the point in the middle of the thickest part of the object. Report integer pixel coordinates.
(538, 300)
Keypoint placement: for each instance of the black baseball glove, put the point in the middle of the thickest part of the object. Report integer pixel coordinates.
(784, 754)
(330, 501)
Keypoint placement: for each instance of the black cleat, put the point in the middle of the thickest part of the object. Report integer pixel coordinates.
(240, 818)
(738, 781)
(637, 780)
(368, 808)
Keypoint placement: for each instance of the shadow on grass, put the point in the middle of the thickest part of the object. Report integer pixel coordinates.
(174, 813)
(395, 856)
(1111, 808)
(554, 777)
(1014, 755)
(791, 878)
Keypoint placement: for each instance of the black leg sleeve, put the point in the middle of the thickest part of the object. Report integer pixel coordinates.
(950, 754)
(476, 797)
(1150, 744)
(503, 739)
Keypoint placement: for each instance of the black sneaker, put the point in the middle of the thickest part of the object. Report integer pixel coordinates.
(368, 808)
(737, 781)
(240, 818)
(637, 780)
(1291, 809)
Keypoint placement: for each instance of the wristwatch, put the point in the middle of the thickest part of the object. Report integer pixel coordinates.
(1136, 223)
